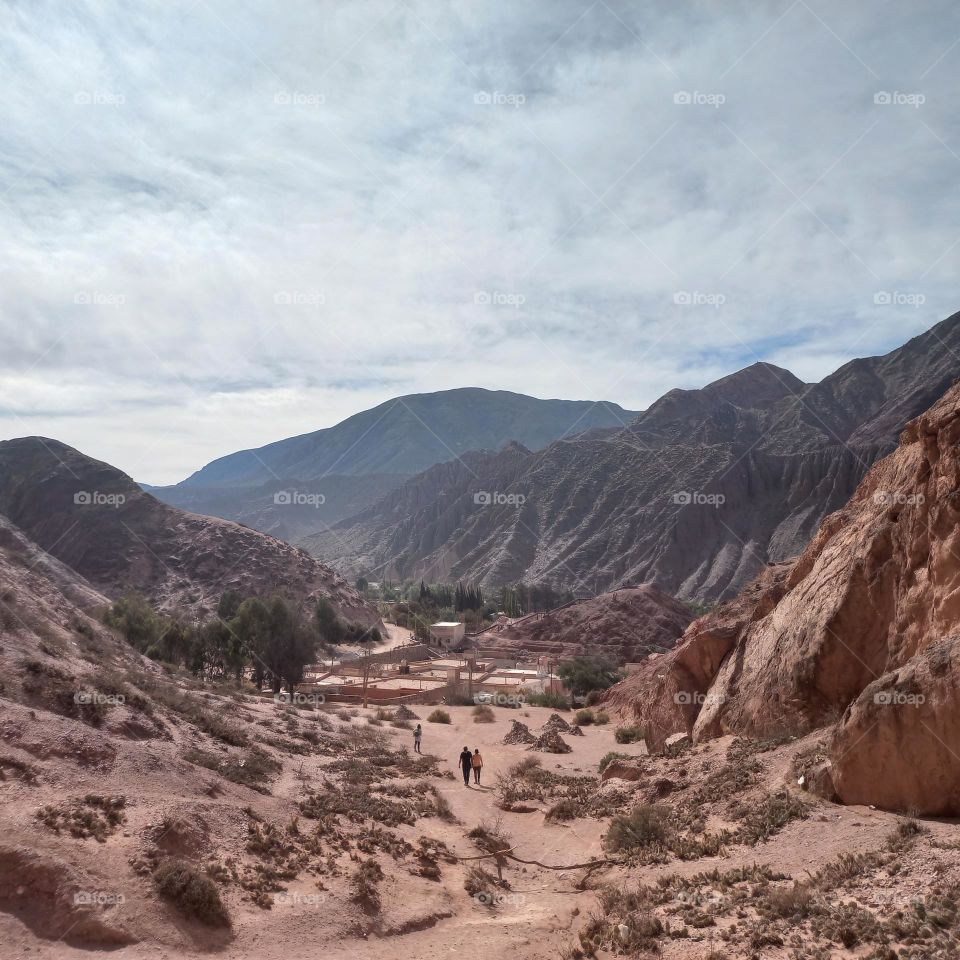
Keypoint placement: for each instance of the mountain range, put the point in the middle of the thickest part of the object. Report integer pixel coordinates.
(858, 637)
(697, 494)
(99, 523)
(303, 484)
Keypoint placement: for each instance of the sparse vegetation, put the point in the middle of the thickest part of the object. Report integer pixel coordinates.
(608, 758)
(94, 816)
(630, 734)
(192, 891)
(365, 885)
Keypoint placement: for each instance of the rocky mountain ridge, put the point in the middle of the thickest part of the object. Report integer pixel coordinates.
(697, 494)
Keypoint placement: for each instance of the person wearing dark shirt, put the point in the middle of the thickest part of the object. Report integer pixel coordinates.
(466, 765)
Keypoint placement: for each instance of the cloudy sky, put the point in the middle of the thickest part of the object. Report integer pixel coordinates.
(225, 222)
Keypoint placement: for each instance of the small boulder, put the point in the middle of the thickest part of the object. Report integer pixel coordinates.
(622, 770)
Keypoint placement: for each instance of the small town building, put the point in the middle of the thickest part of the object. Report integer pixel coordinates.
(447, 634)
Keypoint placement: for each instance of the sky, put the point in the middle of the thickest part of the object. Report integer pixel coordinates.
(224, 223)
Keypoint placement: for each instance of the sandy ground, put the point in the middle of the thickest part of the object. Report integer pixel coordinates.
(536, 921)
(533, 922)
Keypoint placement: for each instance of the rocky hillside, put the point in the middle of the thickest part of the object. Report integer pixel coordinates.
(98, 522)
(339, 471)
(624, 626)
(864, 629)
(698, 494)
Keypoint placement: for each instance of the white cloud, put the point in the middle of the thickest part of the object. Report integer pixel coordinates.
(225, 225)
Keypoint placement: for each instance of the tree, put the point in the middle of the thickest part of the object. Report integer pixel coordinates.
(229, 605)
(329, 626)
(252, 626)
(584, 674)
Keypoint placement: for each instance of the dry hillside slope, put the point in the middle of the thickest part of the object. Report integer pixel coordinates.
(863, 627)
(98, 522)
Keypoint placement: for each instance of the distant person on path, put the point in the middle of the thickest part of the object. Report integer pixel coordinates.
(417, 734)
(466, 764)
(477, 763)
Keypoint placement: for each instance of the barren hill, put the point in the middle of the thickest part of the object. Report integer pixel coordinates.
(351, 465)
(865, 626)
(698, 494)
(98, 522)
(624, 626)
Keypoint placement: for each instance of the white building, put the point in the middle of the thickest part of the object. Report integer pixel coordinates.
(447, 633)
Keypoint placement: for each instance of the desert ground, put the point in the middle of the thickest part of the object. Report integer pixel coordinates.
(289, 880)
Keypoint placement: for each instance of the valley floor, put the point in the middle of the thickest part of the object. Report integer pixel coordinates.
(313, 913)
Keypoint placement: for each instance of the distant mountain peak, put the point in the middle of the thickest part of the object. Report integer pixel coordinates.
(759, 384)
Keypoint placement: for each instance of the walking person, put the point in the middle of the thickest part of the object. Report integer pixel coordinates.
(477, 764)
(417, 735)
(466, 765)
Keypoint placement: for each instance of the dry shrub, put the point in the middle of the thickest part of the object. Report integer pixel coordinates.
(483, 714)
(193, 893)
(438, 716)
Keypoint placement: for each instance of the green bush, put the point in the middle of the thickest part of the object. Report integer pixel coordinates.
(608, 758)
(600, 718)
(633, 734)
(556, 701)
(584, 718)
